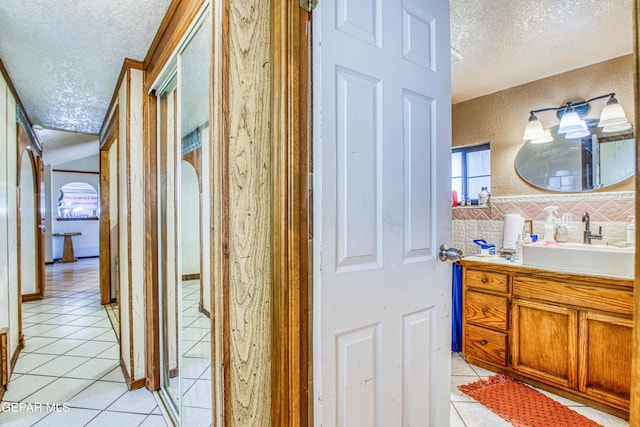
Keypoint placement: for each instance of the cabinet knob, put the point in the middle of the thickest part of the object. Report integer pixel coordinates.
(484, 280)
(483, 342)
(484, 310)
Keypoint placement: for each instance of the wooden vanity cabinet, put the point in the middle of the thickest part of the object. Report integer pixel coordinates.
(565, 332)
(486, 315)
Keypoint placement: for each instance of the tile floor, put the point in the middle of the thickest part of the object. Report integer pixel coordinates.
(71, 357)
(466, 412)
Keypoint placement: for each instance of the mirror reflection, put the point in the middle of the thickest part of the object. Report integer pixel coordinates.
(184, 149)
(595, 161)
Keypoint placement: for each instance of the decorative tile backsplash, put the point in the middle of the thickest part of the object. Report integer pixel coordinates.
(610, 211)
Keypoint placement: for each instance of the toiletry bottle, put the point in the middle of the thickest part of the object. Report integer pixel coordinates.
(483, 197)
(631, 231)
(527, 239)
(549, 225)
(519, 250)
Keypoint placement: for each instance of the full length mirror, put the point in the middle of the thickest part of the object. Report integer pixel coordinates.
(184, 149)
(580, 164)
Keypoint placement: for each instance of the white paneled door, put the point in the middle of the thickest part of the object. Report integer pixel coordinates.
(382, 184)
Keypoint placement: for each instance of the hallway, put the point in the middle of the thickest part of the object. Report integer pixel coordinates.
(71, 358)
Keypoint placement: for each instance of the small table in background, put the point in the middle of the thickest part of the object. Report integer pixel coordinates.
(67, 253)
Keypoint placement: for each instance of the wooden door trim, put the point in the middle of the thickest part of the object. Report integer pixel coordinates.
(291, 356)
(110, 136)
(25, 145)
(634, 410)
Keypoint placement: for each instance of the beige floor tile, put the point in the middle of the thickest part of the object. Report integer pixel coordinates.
(119, 419)
(75, 417)
(454, 417)
(58, 391)
(98, 395)
(59, 365)
(455, 394)
(30, 361)
(87, 333)
(20, 419)
(24, 386)
(154, 421)
(59, 347)
(138, 401)
(90, 348)
(34, 343)
(198, 395)
(476, 415)
(196, 417)
(93, 369)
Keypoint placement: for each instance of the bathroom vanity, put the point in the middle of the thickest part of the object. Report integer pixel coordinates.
(565, 332)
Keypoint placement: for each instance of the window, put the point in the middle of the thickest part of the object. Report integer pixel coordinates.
(470, 171)
(77, 200)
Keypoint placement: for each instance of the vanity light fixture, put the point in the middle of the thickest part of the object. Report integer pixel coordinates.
(534, 129)
(612, 119)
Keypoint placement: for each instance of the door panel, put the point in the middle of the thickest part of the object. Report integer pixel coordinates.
(357, 171)
(382, 165)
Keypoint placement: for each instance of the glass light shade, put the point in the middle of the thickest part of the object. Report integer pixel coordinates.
(571, 122)
(533, 130)
(577, 134)
(617, 127)
(612, 114)
(546, 138)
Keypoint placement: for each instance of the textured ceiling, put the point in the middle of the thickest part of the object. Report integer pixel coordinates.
(64, 56)
(506, 43)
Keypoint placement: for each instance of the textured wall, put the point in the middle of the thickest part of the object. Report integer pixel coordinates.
(500, 118)
(249, 211)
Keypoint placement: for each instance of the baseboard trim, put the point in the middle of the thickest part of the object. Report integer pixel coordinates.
(131, 384)
(14, 358)
(57, 260)
(31, 297)
(191, 277)
(202, 310)
(174, 372)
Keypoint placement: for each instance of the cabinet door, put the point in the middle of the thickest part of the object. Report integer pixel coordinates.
(605, 357)
(545, 342)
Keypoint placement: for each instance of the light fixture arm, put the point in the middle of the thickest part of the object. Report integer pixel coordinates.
(612, 119)
(577, 105)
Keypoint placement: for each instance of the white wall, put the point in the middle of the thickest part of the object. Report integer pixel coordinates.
(48, 222)
(189, 219)
(87, 244)
(87, 164)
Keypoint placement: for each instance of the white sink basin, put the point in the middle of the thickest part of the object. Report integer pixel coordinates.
(581, 258)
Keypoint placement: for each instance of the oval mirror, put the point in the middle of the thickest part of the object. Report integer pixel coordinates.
(580, 164)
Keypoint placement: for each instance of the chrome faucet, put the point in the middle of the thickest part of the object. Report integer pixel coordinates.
(587, 236)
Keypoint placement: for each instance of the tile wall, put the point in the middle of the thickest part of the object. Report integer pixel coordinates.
(609, 210)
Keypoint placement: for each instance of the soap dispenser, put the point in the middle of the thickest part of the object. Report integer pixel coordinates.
(631, 231)
(549, 225)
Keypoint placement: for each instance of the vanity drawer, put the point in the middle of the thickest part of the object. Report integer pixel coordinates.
(489, 281)
(485, 344)
(486, 310)
(617, 301)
